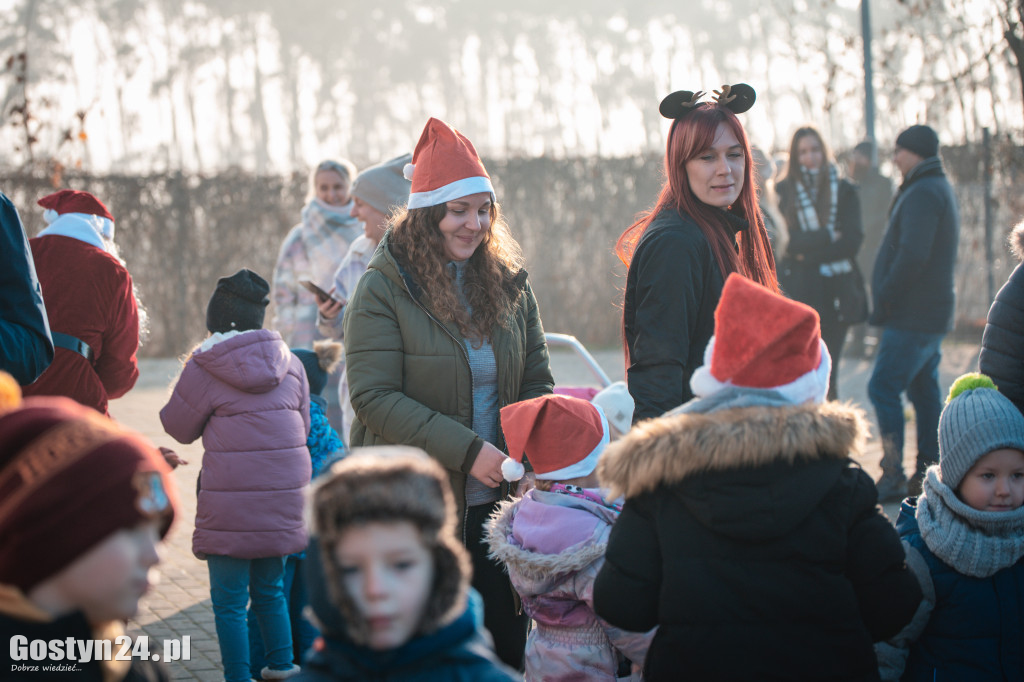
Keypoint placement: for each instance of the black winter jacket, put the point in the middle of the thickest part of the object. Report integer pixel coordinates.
(912, 284)
(668, 313)
(1002, 344)
(801, 278)
(754, 544)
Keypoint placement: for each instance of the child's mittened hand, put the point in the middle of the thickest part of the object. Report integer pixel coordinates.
(172, 458)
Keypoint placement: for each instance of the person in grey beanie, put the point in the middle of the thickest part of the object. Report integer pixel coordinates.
(964, 538)
(376, 193)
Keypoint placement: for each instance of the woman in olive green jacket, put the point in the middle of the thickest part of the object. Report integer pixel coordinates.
(441, 332)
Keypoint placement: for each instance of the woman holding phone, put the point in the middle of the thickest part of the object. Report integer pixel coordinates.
(376, 193)
(311, 252)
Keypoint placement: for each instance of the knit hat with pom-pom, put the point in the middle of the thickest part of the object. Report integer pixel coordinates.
(976, 420)
(319, 362)
(69, 478)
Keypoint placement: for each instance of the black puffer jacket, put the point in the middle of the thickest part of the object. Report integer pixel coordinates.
(668, 312)
(755, 545)
(1002, 344)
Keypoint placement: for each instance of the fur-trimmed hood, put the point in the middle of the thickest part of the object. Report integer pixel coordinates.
(544, 537)
(668, 450)
(1016, 240)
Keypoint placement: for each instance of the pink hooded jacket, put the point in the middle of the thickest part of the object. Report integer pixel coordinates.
(553, 546)
(247, 395)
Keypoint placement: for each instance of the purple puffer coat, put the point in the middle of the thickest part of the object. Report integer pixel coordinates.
(248, 397)
(553, 546)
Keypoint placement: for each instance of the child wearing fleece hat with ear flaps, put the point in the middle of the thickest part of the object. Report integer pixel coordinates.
(964, 538)
(247, 395)
(552, 541)
(84, 504)
(748, 535)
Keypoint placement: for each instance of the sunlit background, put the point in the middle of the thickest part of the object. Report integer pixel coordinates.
(197, 122)
(274, 86)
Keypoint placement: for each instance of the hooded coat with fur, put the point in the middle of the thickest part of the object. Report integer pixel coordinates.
(754, 543)
(1002, 345)
(553, 545)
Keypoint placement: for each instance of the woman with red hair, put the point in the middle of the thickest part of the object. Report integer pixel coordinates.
(705, 225)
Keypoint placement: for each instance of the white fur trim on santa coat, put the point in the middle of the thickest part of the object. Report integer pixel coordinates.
(811, 387)
(454, 190)
(85, 227)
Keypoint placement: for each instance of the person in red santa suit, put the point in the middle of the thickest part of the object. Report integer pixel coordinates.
(90, 302)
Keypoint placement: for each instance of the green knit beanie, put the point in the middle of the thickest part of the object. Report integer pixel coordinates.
(977, 419)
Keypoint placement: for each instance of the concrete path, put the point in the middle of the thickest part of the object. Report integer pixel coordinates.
(179, 605)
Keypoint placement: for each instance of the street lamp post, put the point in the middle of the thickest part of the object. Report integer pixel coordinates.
(869, 90)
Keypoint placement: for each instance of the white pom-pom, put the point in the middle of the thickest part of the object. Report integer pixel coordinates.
(49, 215)
(408, 170)
(512, 470)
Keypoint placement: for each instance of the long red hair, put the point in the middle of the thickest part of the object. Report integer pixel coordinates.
(687, 139)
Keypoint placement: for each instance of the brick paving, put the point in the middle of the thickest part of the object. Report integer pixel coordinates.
(179, 605)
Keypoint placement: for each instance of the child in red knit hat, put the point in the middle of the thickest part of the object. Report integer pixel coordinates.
(84, 504)
(552, 540)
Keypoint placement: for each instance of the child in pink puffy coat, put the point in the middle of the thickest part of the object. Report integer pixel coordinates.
(553, 539)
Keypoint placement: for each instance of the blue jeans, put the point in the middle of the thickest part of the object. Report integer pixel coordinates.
(907, 361)
(232, 583)
(303, 632)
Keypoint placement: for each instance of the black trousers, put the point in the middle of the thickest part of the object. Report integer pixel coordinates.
(503, 618)
(834, 336)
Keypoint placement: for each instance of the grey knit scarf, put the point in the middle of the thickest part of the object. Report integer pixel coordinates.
(975, 543)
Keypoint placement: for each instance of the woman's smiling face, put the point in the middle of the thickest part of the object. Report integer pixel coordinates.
(716, 175)
(465, 224)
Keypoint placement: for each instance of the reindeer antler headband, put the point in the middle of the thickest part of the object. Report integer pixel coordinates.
(736, 98)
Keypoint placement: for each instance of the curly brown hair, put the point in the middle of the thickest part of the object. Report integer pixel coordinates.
(489, 286)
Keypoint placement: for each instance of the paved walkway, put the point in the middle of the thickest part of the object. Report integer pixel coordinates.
(179, 605)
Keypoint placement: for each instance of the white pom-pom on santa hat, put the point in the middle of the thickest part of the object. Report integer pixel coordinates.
(407, 170)
(49, 215)
(511, 470)
(764, 341)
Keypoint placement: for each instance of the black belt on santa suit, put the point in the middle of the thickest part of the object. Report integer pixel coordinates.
(72, 343)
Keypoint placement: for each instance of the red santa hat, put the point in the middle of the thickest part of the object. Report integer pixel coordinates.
(76, 202)
(766, 341)
(561, 436)
(445, 166)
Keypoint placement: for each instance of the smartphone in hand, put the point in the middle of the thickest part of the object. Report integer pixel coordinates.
(321, 295)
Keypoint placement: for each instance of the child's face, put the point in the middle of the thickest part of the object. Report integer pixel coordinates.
(995, 482)
(389, 573)
(106, 582)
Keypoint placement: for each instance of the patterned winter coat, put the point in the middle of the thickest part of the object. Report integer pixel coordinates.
(247, 395)
(553, 546)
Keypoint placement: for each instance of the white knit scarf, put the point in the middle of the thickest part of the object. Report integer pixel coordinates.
(975, 543)
(807, 217)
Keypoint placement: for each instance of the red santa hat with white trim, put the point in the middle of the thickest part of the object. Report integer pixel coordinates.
(78, 203)
(561, 436)
(445, 166)
(764, 341)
